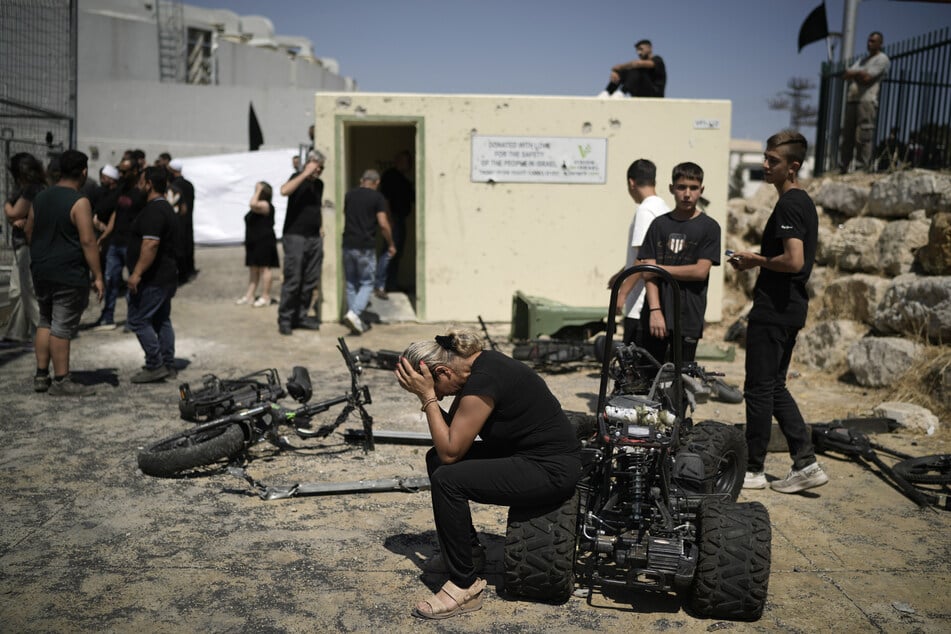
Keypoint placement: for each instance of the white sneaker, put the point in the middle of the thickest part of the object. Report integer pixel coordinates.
(754, 480)
(353, 320)
(242, 301)
(261, 301)
(808, 478)
(618, 94)
(604, 94)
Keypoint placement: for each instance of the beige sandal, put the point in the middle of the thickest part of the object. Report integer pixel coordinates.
(451, 600)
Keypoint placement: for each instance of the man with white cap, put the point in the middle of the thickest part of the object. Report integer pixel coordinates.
(181, 195)
(104, 199)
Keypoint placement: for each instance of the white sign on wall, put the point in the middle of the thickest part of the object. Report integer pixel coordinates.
(524, 159)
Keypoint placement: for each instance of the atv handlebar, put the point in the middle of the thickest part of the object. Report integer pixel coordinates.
(612, 327)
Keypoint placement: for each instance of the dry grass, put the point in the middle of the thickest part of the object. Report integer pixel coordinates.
(922, 384)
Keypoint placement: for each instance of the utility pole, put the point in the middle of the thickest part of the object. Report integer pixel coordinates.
(848, 30)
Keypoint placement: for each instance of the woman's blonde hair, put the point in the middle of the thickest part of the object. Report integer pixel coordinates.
(457, 343)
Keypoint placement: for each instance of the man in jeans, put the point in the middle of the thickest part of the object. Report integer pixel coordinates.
(780, 303)
(129, 202)
(62, 252)
(364, 209)
(303, 240)
(153, 277)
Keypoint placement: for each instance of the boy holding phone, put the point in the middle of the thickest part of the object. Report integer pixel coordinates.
(780, 304)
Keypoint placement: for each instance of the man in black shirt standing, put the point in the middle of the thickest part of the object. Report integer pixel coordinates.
(780, 303)
(303, 240)
(153, 277)
(400, 193)
(182, 198)
(364, 209)
(62, 254)
(129, 203)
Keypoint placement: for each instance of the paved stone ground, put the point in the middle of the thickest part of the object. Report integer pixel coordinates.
(89, 543)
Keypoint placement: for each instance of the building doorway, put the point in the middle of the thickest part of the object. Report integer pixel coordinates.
(391, 149)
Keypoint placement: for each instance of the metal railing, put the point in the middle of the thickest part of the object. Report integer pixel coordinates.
(914, 112)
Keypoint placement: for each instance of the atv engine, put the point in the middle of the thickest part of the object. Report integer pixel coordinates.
(638, 523)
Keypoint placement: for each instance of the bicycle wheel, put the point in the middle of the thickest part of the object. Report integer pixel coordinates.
(934, 469)
(190, 449)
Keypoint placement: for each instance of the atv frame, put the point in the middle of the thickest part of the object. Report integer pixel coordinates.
(655, 509)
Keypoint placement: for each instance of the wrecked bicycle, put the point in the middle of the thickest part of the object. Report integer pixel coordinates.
(255, 415)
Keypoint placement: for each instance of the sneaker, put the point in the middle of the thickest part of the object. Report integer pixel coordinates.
(172, 372)
(437, 565)
(242, 301)
(754, 480)
(103, 326)
(352, 320)
(808, 478)
(68, 387)
(41, 383)
(261, 301)
(150, 375)
(284, 329)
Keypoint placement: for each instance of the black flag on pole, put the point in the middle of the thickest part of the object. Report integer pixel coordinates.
(815, 28)
(255, 136)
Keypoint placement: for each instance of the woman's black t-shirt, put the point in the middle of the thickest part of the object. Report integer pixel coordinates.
(527, 419)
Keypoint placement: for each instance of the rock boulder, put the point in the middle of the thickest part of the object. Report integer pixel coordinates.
(916, 305)
(825, 345)
(898, 194)
(910, 416)
(881, 361)
(935, 257)
(844, 197)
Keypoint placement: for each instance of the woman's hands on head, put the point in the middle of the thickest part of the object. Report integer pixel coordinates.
(420, 383)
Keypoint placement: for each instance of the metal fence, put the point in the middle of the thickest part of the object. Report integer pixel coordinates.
(914, 112)
(37, 81)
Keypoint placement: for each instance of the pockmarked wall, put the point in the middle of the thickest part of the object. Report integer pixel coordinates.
(478, 239)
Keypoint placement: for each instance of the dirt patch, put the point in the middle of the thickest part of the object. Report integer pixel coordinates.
(88, 543)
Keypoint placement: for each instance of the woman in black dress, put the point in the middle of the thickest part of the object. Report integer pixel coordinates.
(260, 246)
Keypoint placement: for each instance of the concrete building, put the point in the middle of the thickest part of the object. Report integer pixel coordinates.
(170, 77)
(515, 192)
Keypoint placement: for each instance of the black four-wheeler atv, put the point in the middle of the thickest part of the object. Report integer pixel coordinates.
(656, 507)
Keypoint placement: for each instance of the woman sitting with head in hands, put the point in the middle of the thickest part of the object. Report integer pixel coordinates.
(528, 454)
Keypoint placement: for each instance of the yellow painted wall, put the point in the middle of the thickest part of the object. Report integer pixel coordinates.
(477, 243)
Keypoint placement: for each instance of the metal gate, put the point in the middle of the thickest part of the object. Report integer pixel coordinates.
(37, 92)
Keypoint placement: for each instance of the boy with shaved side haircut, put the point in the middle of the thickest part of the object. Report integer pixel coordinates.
(780, 304)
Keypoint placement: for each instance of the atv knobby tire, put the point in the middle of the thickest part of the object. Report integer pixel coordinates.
(722, 448)
(194, 448)
(540, 551)
(934, 469)
(732, 575)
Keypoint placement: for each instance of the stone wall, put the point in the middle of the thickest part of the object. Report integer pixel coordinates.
(881, 286)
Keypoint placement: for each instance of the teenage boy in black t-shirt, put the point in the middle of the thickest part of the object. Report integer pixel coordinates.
(780, 303)
(685, 243)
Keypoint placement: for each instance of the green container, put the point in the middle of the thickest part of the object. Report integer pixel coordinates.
(534, 317)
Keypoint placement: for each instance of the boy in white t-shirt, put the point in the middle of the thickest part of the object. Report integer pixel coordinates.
(641, 183)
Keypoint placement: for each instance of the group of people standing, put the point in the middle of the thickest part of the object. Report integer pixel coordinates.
(72, 236)
(686, 244)
(379, 204)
